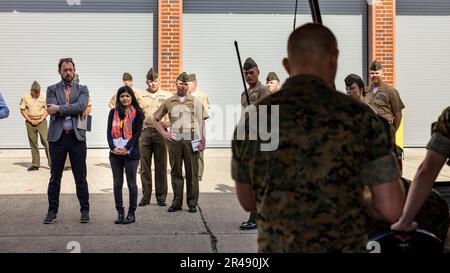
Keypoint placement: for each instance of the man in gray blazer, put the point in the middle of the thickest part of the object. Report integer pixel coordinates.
(66, 100)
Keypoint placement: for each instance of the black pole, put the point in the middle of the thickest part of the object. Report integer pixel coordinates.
(315, 11)
(242, 72)
(295, 14)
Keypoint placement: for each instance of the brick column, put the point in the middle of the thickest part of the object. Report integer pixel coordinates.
(169, 42)
(382, 36)
(382, 28)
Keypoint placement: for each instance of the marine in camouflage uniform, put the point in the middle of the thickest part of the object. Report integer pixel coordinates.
(433, 215)
(309, 191)
(440, 140)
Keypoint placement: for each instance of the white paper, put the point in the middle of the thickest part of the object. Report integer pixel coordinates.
(195, 143)
(120, 142)
(84, 124)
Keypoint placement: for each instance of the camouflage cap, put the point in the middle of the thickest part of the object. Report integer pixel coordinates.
(192, 77)
(127, 77)
(375, 66)
(249, 64)
(184, 77)
(152, 75)
(76, 78)
(35, 87)
(272, 76)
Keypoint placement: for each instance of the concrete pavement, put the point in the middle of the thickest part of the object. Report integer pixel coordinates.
(214, 228)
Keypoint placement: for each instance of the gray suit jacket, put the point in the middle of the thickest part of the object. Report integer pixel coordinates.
(78, 103)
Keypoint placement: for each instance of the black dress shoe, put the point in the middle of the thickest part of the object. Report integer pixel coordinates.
(120, 218)
(33, 168)
(84, 219)
(143, 203)
(50, 218)
(192, 209)
(162, 203)
(131, 218)
(248, 225)
(173, 208)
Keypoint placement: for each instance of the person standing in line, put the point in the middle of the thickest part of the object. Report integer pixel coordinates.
(256, 92)
(205, 102)
(187, 118)
(124, 129)
(67, 100)
(33, 109)
(152, 143)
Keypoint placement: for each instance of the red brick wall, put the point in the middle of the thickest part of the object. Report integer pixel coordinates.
(169, 42)
(382, 36)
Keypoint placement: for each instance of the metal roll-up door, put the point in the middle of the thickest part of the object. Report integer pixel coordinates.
(261, 28)
(104, 37)
(423, 43)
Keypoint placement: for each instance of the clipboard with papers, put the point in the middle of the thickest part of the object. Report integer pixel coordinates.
(195, 143)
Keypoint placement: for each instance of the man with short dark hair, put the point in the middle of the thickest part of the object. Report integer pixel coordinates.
(334, 159)
(67, 100)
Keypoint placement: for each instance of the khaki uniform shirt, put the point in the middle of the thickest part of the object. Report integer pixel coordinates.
(112, 101)
(386, 101)
(150, 104)
(308, 191)
(36, 108)
(203, 98)
(255, 94)
(184, 116)
(440, 140)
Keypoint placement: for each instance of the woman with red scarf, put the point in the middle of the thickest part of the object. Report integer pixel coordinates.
(124, 129)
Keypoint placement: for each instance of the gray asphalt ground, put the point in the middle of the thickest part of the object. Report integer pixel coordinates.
(214, 228)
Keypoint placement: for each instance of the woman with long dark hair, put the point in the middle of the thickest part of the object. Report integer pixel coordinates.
(124, 129)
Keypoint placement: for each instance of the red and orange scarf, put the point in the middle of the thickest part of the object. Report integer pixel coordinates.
(123, 128)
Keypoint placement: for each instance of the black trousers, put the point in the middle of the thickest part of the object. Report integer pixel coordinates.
(68, 144)
(118, 164)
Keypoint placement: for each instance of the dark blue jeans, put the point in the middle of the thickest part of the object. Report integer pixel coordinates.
(68, 144)
(118, 164)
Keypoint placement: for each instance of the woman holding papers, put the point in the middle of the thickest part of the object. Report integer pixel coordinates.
(124, 129)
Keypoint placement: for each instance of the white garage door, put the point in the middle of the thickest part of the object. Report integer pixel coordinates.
(423, 58)
(261, 28)
(104, 37)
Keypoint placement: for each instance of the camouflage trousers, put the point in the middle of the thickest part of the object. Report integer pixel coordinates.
(433, 216)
